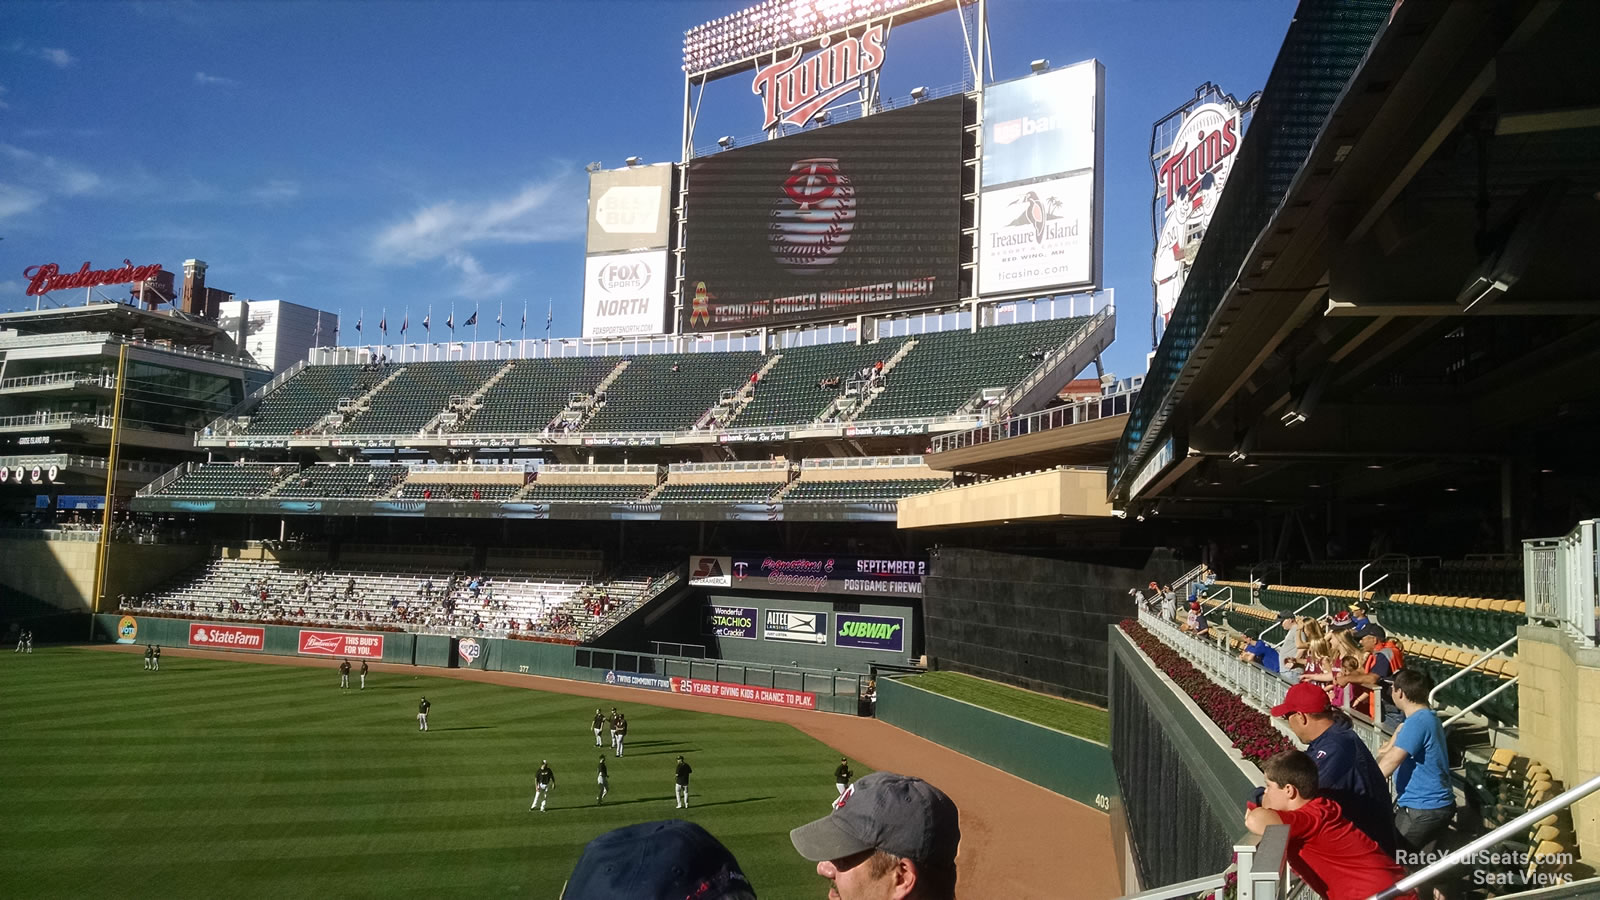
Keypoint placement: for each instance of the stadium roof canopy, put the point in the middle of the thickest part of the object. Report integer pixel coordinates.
(1394, 295)
(114, 318)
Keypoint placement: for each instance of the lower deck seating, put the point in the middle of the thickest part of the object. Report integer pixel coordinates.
(861, 491)
(474, 491)
(227, 480)
(719, 492)
(505, 602)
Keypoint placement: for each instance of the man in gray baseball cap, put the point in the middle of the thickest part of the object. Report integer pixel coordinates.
(889, 836)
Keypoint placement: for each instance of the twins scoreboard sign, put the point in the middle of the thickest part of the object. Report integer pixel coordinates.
(829, 223)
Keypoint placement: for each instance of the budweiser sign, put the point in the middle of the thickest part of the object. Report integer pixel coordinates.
(796, 89)
(43, 279)
(337, 643)
(227, 637)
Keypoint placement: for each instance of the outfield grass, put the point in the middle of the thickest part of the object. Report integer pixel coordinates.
(214, 778)
(1063, 715)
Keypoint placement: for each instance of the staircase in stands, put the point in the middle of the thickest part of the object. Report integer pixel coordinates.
(325, 424)
(741, 398)
(581, 410)
(865, 400)
(472, 402)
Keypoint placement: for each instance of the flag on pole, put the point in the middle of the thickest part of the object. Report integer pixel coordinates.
(471, 320)
(359, 317)
(549, 316)
(425, 317)
(450, 320)
(383, 324)
(405, 321)
(524, 318)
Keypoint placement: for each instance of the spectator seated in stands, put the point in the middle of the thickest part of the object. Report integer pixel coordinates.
(1263, 654)
(1333, 857)
(1358, 616)
(1196, 623)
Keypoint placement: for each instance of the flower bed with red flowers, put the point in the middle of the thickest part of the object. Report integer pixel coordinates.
(1250, 729)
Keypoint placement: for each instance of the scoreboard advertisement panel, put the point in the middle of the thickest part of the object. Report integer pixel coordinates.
(858, 217)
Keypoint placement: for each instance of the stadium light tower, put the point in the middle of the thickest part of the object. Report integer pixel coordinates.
(632, 161)
(1039, 65)
(725, 141)
(917, 93)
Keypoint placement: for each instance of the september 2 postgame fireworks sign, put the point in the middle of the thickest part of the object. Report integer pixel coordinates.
(810, 574)
(855, 217)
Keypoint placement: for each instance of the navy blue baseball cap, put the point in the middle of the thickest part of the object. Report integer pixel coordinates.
(671, 860)
(897, 814)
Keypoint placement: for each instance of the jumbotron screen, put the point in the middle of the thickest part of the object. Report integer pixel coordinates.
(857, 217)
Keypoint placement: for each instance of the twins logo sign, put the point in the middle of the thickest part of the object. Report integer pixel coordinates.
(814, 217)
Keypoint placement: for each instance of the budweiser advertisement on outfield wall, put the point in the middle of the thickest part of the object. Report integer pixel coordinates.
(338, 643)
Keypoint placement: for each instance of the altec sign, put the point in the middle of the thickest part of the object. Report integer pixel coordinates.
(794, 90)
(42, 279)
(227, 637)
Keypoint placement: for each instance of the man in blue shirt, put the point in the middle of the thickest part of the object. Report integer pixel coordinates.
(1417, 757)
(1346, 771)
(1263, 653)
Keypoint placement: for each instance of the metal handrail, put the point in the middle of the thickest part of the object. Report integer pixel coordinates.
(1279, 623)
(1475, 663)
(1480, 701)
(1057, 356)
(1472, 849)
(1076, 413)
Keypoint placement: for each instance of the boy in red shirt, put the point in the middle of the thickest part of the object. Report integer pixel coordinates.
(1334, 857)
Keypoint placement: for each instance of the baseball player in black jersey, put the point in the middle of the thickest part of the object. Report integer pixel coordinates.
(603, 779)
(363, 674)
(620, 733)
(616, 717)
(599, 724)
(344, 674)
(157, 660)
(422, 714)
(543, 781)
(680, 790)
(149, 656)
(841, 776)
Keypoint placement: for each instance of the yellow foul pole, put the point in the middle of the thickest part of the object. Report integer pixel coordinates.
(103, 553)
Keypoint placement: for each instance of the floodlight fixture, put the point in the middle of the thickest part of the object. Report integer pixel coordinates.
(821, 118)
(592, 167)
(632, 161)
(917, 93)
(1039, 65)
(725, 141)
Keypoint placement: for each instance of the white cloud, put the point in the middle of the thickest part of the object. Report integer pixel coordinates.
(526, 217)
(538, 212)
(203, 78)
(475, 282)
(57, 57)
(49, 173)
(277, 190)
(15, 200)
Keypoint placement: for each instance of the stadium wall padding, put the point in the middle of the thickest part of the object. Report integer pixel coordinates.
(1035, 622)
(1069, 765)
(1181, 788)
(837, 692)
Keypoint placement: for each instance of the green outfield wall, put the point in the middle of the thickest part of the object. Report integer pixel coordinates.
(1071, 766)
(836, 692)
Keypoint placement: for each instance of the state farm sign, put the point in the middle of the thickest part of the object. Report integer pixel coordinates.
(337, 643)
(227, 637)
(749, 694)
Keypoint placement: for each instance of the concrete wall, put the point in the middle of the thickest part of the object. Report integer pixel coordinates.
(1043, 496)
(61, 573)
(1559, 710)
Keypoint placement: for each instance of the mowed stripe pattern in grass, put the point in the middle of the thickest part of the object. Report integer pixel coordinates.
(1063, 715)
(216, 778)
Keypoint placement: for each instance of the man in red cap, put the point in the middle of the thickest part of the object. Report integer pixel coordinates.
(1347, 773)
(1330, 854)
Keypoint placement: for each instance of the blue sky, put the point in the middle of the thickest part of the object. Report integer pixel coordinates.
(386, 155)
